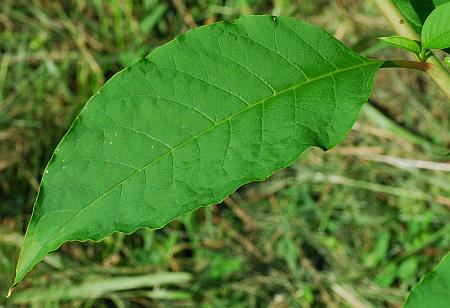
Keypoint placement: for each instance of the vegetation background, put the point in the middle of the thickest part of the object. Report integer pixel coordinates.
(356, 226)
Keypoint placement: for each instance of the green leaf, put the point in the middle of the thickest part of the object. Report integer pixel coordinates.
(218, 107)
(402, 42)
(433, 291)
(436, 29)
(417, 11)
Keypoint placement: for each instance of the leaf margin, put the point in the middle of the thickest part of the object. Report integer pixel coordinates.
(19, 277)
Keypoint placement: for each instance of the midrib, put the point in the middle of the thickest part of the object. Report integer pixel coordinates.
(202, 132)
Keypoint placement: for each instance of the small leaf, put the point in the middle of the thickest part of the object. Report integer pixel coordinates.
(436, 29)
(217, 107)
(433, 291)
(402, 42)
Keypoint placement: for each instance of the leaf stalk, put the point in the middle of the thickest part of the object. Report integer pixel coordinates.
(421, 66)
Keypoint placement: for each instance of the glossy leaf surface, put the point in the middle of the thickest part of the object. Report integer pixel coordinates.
(434, 289)
(218, 107)
(436, 29)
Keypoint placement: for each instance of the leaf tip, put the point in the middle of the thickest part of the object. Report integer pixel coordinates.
(10, 292)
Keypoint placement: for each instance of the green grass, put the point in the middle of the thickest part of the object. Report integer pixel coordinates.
(356, 226)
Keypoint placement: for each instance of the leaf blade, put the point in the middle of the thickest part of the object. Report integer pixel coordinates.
(198, 118)
(402, 42)
(434, 289)
(436, 29)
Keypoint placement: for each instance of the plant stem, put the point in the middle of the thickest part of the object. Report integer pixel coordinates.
(436, 70)
(396, 19)
(440, 76)
(422, 66)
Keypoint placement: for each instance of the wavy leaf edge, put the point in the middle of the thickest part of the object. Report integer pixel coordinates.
(21, 274)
